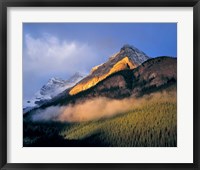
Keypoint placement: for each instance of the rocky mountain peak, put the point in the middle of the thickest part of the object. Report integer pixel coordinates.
(133, 53)
(54, 80)
(128, 47)
(129, 57)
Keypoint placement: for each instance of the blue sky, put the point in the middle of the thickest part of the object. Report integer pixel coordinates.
(61, 49)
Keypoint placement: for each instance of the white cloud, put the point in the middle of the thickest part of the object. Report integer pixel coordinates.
(48, 56)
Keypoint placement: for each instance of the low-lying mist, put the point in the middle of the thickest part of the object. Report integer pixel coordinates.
(97, 108)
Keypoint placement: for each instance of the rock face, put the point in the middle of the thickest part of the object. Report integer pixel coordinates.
(129, 57)
(134, 54)
(151, 76)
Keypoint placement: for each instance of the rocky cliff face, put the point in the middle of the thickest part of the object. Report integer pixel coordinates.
(129, 57)
(151, 76)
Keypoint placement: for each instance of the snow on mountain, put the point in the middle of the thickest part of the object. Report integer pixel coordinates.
(53, 87)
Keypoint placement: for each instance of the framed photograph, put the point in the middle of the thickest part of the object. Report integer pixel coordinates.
(99, 84)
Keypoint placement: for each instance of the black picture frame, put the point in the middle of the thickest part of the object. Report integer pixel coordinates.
(98, 3)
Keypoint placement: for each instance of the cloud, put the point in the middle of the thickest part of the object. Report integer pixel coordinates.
(93, 109)
(100, 107)
(49, 55)
(89, 110)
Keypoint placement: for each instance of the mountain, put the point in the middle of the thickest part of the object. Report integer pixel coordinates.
(153, 75)
(127, 57)
(56, 85)
(52, 88)
(129, 73)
